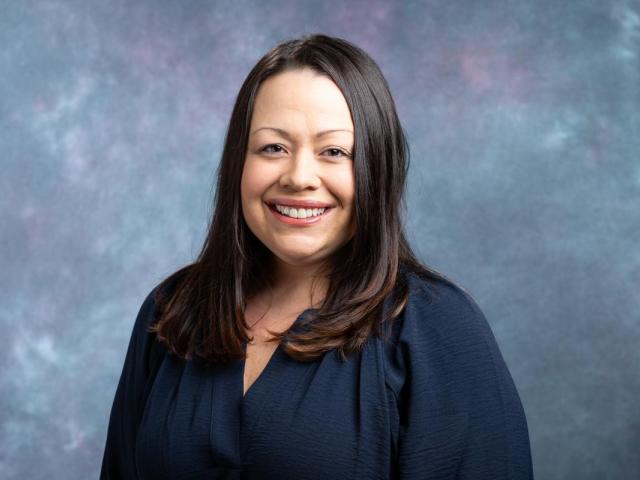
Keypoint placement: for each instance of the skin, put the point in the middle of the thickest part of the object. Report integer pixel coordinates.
(300, 165)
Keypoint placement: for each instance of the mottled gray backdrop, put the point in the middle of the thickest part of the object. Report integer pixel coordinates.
(523, 119)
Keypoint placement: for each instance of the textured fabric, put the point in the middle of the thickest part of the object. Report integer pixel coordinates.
(434, 401)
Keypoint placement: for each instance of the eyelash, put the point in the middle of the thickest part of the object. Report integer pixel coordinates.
(344, 154)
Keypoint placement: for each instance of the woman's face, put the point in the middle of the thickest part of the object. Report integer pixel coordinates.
(300, 144)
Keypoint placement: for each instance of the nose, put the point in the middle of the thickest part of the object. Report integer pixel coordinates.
(301, 171)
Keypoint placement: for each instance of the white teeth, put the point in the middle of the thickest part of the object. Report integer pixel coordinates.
(299, 212)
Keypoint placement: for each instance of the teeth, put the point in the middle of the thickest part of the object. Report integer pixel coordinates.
(299, 212)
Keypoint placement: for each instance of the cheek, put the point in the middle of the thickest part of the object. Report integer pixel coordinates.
(345, 186)
(251, 183)
(248, 193)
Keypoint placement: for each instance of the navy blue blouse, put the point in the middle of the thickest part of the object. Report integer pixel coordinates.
(434, 401)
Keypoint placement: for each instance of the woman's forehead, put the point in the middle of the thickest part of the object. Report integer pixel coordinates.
(293, 91)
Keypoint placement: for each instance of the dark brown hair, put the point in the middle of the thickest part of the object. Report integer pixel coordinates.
(202, 312)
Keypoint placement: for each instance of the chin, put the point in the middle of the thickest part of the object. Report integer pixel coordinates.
(298, 257)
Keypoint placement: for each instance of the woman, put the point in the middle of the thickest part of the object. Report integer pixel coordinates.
(307, 341)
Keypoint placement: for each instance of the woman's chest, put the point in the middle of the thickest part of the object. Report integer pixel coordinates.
(258, 357)
(324, 419)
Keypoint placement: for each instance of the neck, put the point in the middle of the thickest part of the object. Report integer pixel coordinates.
(300, 285)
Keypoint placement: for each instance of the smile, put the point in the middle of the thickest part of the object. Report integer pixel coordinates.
(312, 220)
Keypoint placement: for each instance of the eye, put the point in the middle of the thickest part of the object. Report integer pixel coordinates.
(274, 145)
(337, 151)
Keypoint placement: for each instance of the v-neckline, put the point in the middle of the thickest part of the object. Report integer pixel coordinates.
(270, 365)
(271, 360)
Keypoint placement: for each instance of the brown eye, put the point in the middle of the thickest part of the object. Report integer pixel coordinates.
(274, 145)
(337, 152)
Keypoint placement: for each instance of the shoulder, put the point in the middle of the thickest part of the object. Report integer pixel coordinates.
(439, 310)
(455, 395)
(149, 311)
(442, 335)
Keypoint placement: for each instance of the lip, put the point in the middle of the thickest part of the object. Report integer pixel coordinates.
(298, 202)
(299, 221)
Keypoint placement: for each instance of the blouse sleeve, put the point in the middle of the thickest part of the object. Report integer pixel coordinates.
(119, 453)
(460, 413)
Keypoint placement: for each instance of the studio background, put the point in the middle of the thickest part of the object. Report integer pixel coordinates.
(523, 121)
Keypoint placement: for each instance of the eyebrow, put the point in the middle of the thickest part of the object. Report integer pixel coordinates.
(286, 134)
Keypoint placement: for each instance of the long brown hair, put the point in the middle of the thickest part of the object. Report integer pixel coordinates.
(203, 311)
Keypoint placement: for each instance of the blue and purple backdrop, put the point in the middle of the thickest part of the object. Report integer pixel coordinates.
(524, 124)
